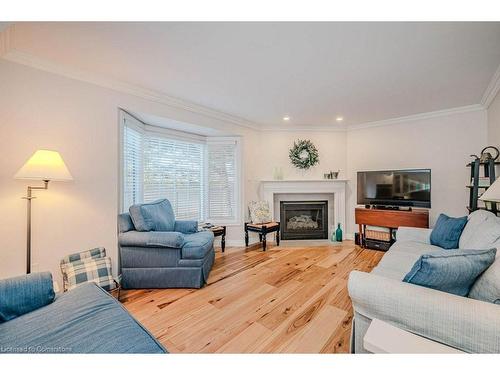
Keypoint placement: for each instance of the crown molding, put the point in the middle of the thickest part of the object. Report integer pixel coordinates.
(386, 122)
(306, 128)
(492, 90)
(418, 116)
(16, 56)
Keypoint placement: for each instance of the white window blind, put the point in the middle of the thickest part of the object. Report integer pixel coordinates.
(174, 170)
(222, 181)
(132, 166)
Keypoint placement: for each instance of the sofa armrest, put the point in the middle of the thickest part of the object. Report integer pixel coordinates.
(151, 239)
(23, 294)
(463, 323)
(186, 226)
(414, 234)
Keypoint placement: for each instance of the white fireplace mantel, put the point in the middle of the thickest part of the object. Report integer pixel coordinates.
(337, 187)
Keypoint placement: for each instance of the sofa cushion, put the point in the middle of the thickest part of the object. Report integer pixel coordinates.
(125, 223)
(452, 271)
(88, 270)
(151, 239)
(98, 252)
(186, 226)
(23, 294)
(447, 231)
(401, 257)
(481, 232)
(154, 216)
(197, 245)
(487, 286)
(259, 212)
(83, 320)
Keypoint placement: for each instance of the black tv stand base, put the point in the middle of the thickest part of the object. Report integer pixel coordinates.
(384, 207)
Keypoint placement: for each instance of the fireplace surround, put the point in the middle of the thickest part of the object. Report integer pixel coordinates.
(274, 191)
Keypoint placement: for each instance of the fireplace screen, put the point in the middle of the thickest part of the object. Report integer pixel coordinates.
(304, 220)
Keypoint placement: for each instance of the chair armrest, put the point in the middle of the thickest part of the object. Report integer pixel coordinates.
(151, 239)
(463, 323)
(414, 234)
(186, 226)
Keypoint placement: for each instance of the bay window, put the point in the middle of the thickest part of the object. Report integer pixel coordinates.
(199, 175)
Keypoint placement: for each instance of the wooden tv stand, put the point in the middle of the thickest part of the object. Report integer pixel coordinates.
(392, 219)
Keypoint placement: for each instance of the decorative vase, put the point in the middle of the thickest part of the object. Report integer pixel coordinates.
(334, 237)
(338, 234)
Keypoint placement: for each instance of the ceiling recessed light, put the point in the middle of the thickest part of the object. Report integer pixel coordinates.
(339, 119)
(286, 118)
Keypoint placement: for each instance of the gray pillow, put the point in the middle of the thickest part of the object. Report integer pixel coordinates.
(487, 286)
(157, 216)
(481, 232)
(451, 271)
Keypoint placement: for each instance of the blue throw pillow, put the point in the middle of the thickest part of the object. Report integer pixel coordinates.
(20, 295)
(156, 216)
(451, 271)
(447, 231)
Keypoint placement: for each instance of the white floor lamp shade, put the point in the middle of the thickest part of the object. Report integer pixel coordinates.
(43, 165)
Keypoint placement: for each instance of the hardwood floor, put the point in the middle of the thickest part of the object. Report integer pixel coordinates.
(287, 299)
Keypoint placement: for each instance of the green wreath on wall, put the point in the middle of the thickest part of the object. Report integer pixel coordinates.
(304, 154)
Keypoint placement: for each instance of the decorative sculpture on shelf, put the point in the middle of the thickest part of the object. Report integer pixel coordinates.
(486, 155)
(304, 154)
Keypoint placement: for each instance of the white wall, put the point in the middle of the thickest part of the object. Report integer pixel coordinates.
(42, 110)
(494, 122)
(442, 144)
(274, 146)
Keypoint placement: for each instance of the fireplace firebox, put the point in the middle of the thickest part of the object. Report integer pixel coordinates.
(304, 220)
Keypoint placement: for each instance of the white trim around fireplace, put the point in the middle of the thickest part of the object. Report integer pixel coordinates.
(336, 187)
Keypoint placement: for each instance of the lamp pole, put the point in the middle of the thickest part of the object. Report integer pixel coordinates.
(29, 196)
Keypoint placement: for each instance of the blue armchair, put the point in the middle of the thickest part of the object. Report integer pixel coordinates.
(157, 251)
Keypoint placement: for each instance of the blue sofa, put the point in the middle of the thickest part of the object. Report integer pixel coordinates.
(84, 320)
(157, 251)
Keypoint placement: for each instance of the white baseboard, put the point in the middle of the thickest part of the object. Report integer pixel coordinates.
(241, 243)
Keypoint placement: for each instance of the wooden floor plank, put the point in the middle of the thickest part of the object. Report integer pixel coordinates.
(290, 299)
(246, 341)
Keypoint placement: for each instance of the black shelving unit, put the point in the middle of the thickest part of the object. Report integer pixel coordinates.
(474, 189)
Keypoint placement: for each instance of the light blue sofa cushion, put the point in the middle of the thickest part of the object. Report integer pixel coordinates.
(197, 245)
(451, 271)
(155, 216)
(186, 226)
(125, 223)
(83, 320)
(23, 294)
(447, 231)
(487, 286)
(151, 239)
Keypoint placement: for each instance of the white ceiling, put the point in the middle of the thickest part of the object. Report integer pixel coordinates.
(312, 72)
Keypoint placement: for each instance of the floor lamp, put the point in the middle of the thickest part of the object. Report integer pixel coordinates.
(43, 165)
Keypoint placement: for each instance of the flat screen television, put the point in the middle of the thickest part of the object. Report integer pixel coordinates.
(408, 187)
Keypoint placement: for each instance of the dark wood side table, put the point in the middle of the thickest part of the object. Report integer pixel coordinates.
(263, 230)
(220, 230)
